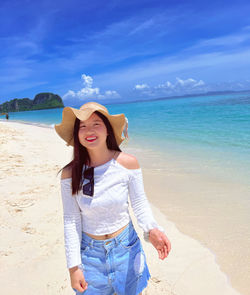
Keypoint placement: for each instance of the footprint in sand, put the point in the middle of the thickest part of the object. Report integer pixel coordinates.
(62, 288)
(155, 280)
(5, 253)
(20, 204)
(28, 229)
(31, 191)
(18, 210)
(16, 158)
(3, 141)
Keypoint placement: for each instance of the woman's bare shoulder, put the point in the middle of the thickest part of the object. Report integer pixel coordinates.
(128, 161)
(66, 173)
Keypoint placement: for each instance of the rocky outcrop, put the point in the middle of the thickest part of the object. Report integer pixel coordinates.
(41, 101)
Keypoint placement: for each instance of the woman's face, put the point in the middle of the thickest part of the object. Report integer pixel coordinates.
(92, 133)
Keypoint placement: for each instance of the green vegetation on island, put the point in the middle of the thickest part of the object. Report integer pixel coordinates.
(41, 101)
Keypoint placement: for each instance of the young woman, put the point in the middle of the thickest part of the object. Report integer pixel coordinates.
(103, 251)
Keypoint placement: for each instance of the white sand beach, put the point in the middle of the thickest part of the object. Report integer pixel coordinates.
(32, 257)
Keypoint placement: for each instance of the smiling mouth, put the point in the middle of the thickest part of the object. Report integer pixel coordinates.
(91, 139)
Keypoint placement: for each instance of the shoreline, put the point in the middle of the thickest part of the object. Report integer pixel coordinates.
(211, 210)
(28, 152)
(28, 123)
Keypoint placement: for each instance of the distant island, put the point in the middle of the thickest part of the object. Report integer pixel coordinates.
(212, 93)
(41, 101)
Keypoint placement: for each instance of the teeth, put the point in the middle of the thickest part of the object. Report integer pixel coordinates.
(90, 138)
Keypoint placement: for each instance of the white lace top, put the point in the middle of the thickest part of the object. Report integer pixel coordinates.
(107, 211)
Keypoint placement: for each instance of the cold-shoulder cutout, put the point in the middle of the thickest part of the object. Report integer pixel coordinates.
(128, 161)
(66, 173)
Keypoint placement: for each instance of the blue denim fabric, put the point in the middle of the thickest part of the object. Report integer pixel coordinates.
(117, 265)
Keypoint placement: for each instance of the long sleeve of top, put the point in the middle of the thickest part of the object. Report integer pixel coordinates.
(72, 225)
(139, 202)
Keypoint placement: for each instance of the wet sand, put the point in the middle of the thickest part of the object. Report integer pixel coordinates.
(208, 206)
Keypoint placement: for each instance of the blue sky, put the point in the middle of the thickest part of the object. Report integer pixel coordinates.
(114, 51)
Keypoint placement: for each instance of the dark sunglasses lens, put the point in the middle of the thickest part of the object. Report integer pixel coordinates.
(88, 189)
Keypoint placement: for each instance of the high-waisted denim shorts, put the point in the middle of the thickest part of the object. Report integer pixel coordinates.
(117, 265)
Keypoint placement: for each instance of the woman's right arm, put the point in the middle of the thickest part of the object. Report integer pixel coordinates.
(72, 232)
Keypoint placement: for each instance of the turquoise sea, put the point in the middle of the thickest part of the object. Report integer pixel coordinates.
(212, 130)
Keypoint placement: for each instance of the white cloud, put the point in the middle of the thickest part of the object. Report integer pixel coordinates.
(87, 80)
(112, 94)
(141, 86)
(179, 87)
(165, 85)
(89, 92)
(188, 84)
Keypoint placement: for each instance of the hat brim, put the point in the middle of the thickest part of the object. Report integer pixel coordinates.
(66, 128)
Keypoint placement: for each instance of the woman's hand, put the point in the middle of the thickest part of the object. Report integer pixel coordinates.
(160, 241)
(77, 279)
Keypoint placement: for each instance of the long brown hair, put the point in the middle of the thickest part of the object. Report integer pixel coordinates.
(80, 153)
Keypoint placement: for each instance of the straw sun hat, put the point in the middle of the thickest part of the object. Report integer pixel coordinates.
(66, 128)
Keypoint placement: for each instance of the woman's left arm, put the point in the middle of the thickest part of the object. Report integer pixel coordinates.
(144, 215)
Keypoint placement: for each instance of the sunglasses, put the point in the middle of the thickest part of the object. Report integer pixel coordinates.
(88, 188)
